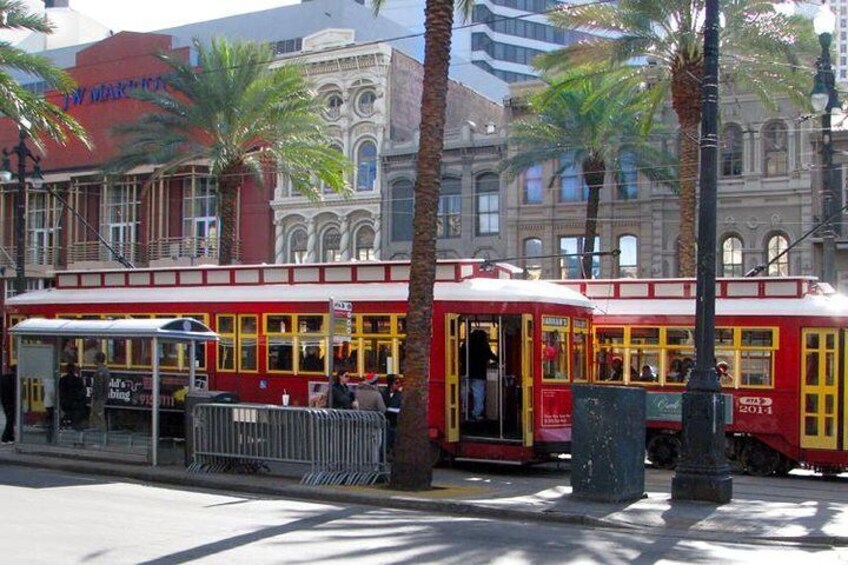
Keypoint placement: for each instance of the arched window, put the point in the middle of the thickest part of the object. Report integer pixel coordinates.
(532, 180)
(449, 218)
(777, 244)
(366, 166)
(628, 188)
(731, 151)
(571, 266)
(330, 246)
(572, 185)
(775, 149)
(297, 246)
(487, 188)
(533, 249)
(731, 257)
(365, 102)
(628, 259)
(333, 109)
(365, 244)
(402, 210)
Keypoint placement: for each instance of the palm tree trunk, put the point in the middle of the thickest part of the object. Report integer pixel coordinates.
(411, 468)
(686, 99)
(228, 185)
(593, 173)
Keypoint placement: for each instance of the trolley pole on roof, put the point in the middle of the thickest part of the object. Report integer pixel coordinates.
(703, 472)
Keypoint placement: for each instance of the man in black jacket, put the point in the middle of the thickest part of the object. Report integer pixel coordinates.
(7, 399)
(72, 397)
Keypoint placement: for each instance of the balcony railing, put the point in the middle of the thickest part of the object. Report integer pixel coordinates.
(96, 252)
(195, 249)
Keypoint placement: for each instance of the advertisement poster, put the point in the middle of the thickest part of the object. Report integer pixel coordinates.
(131, 390)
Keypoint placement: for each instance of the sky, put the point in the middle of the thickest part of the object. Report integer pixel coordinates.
(148, 15)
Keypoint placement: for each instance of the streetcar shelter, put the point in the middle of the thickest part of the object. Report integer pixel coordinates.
(41, 416)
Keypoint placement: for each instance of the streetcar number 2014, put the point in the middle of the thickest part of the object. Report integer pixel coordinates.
(755, 405)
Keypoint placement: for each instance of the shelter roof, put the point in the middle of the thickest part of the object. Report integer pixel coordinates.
(175, 329)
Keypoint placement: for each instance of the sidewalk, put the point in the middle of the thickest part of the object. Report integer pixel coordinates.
(806, 509)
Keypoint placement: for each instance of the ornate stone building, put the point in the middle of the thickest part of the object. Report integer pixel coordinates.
(766, 203)
(371, 94)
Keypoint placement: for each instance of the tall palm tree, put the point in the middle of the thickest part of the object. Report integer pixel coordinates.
(24, 106)
(412, 468)
(762, 52)
(574, 126)
(241, 116)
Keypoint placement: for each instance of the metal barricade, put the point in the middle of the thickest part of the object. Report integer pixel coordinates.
(340, 447)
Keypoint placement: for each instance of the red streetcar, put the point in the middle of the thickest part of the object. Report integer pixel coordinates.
(780, 345)
(526, 340)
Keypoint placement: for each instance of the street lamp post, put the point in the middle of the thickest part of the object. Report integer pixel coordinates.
(824, 100)
(23, 153)
(703, 472)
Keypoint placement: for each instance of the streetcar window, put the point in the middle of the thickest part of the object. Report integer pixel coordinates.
(247, 343)
(579, 352)
(377, 354)
(724, 336)
(756, 368)
(278, 328)
(310, 324)
(116, 352)
(757, 338)
(376, 324)
(645, 336)
(554, 355)
(277, 324)
(680, 336)
(226, 325)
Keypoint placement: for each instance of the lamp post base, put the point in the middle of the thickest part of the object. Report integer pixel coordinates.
(703, 472)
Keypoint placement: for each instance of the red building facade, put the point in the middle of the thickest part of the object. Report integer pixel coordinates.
(149, 220)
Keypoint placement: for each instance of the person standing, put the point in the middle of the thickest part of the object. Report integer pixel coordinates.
(8, 384)
(393, 398)
(99, 391)
(479, 355)
(72, 396)
(341, 397)
(369, 399)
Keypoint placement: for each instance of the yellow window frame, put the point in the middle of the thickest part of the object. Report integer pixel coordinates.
(269, 335)
(563, 331)
(242, 336)
(225, 335)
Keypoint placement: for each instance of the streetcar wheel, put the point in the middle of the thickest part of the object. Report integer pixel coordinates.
(664, 451)
(785, 466)
(760, 460)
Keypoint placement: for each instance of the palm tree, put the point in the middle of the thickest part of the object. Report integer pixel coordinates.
(762, 52)
(412, 467)
(573, 126)
(24, 106)
(241, 116)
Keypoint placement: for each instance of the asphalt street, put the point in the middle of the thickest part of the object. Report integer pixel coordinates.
(56, 517)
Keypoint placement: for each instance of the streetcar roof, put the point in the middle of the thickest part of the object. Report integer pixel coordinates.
(470, 290)
(833, 305)
(177, 329)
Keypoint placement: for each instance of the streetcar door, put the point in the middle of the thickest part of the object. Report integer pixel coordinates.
(452, 378)
(528, 374)
(819, 389)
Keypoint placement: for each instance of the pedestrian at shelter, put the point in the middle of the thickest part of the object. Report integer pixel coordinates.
(369, 399)
(341, 397)
(99, 392)
(72, 397)
(8, 386)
